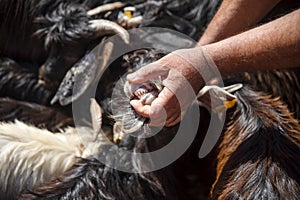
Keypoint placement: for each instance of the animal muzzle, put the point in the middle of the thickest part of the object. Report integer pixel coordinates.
(145, 92)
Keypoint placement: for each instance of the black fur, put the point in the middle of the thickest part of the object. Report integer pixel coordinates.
(34, 114)
(259, 154)
(51, 31)
(91, 179)
(55, 33)
(22, 84)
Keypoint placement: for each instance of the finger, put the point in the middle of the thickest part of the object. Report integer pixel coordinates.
(147, 73)
(163, 107)
(157, 121)
(140, 108)
(158, 115)
(173, 121)
(156, 118)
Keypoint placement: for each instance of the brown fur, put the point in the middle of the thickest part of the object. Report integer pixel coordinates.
(259, 155)
(279, 83)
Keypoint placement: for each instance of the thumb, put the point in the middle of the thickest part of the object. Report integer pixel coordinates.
(147, 73)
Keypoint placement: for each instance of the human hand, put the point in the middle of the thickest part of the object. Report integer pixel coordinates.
(180, 72)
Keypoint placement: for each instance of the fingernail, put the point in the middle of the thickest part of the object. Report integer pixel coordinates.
(134, 103)
(130, 76)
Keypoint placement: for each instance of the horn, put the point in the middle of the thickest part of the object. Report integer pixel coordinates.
(105, 8)
(104, 27)
(84, 72)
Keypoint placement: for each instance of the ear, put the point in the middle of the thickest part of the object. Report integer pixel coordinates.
(83, 74)
(96, 115)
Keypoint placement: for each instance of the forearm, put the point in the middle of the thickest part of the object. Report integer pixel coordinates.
(234, 17)
(270, 46)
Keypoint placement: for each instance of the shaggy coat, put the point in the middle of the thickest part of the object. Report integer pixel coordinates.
(31, 156)
(258, 158)
(259, 153)
(40, 116)
(91, 179)
(279, 83)
(35, 31)
(21, 84)
(55, 34)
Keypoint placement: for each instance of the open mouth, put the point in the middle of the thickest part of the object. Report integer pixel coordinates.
(145, 92)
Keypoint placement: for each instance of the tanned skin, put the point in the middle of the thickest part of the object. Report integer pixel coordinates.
(270, 46)
(233, 44)
(235, 17)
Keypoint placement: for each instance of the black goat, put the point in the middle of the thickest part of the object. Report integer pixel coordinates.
(258, 121)
(56, 33)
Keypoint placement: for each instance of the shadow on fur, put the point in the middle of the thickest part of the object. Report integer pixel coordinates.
(259, 154)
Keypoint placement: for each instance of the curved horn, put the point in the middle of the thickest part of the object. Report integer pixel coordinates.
(105, 8)
(82, 74)
(104, 27)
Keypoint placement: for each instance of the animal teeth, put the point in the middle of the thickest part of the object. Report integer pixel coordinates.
(140, 92)
(146, 92)
(148, 98)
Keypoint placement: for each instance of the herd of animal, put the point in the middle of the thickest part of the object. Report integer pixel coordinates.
(47, 44)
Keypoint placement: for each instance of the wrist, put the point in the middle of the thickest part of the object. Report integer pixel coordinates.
(195, 65)
(218, 57)
(206, 65)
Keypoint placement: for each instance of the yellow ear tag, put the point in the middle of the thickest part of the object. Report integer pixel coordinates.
(128, 11)
(117, 140)
(230, 104)
(128, 14)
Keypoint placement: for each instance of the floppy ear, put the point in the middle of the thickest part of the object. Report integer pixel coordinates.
(83, 74)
